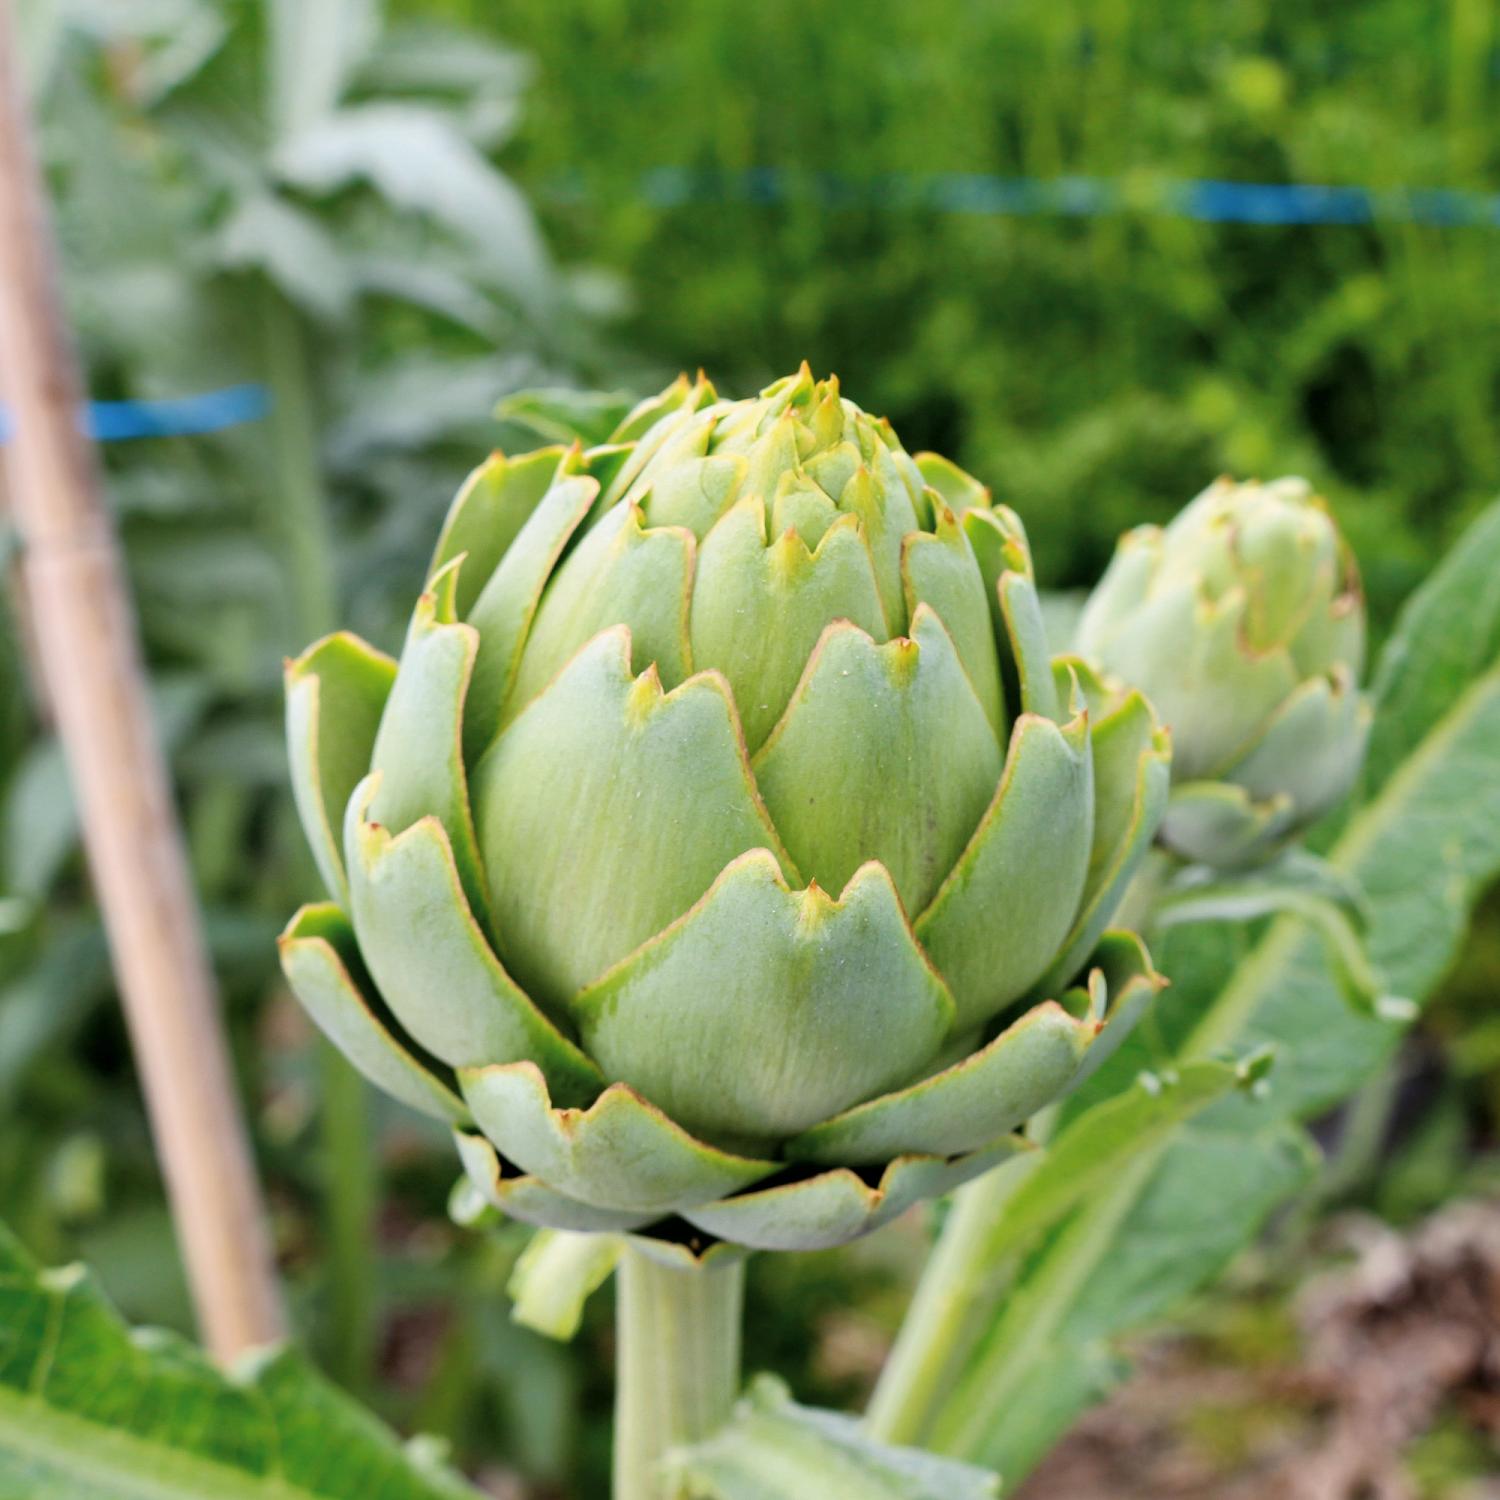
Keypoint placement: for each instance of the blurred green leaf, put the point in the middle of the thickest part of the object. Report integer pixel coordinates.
(773, 1449)
(418, 160)
(91, 1411)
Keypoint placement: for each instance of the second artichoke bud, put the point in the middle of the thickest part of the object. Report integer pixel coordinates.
(1243, 621)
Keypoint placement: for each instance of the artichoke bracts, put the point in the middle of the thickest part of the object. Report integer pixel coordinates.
(719, 856)
(1243, 622)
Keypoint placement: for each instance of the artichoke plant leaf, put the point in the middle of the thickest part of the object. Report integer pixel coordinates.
(1132, 780)
(529, 1200)
(610, 797)
(503, 612)
(555, 1276)
(940, 569)
(695, 493)
(773, 1449)
(430, 959)
(835, 1206)
(622, 573)
(853, 758)
(490, 510)
(89, 1408)
(1010, 900)
(336, 692)
(764, 1009)
(562, 415)
(986, 1094)
(418, 754)
(1312, 747)
(760, 606)
(320, 959)
(621, 1153)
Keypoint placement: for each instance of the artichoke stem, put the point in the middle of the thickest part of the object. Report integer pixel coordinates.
(678, 1365)
(958, 1285)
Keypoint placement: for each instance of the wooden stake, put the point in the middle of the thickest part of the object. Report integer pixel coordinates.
(86, 632)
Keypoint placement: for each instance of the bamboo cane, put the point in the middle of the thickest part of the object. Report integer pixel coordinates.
(85, 629)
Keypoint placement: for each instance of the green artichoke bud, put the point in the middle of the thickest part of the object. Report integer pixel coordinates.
(722, 848)
(1243, 622)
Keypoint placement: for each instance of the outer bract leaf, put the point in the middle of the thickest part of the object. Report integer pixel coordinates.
(653, 423)
(320, 959)
(556, 1275)
(695, 493)
(774, 1449)
(764, 1009)
(940, 569)
(1219, 823)
(91, 1411)
(961, 492)
(505, 608)
(997, 1088)
(998, 920)
(622, 1153)
(1121, 969)
(834, 1207)
(419, 749)
(1132, 759)
(593, 807)
(1312, 749)
(884, 753)
(430, 959)
(1220, 694)
(621, 574)
(1026, 633)
(999, 543)
(887, 518)
(531, 1201)
(488, 514)
(758, 610)
(335, 693)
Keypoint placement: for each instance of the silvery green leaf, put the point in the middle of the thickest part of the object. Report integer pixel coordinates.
(417, 159)
(774, 1449)
(88, 1408)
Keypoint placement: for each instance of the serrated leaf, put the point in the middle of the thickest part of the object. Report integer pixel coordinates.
(91, 1411)
(774, 1449)
(1422, 844)
(560, 415)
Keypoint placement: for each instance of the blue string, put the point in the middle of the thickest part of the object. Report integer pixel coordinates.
(1205, 199)
(184, 416)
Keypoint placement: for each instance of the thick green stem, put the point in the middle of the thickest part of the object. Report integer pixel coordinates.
(295, 519)
(678, 1365)
(964, 1279)
(958, 1284)
(296, 513)
(349, 1201)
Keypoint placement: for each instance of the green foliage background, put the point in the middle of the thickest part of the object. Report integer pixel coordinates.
(1096, 371)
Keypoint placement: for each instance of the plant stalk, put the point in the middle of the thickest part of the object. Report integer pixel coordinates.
(963, 1279)
(297, 519)
(678, 1365)
(948, 1311)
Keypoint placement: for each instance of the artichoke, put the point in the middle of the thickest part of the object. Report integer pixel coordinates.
(1243, 622)
(718, 856)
